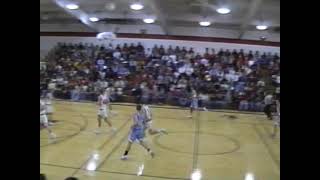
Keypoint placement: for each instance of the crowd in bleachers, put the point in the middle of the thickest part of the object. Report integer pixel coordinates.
(223, 78)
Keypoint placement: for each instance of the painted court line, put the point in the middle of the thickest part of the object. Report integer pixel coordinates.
(270, 152)
(114, 172)
(102, 145)
(113, 150)
(196, 142)
(164, 107)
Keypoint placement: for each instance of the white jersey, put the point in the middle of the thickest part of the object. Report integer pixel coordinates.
(43, 116)
(49, 107)
(278, 107)
(48, 102)
(103, 102)
(276, 115)
(147, 112)
(49, 96)
(42, 108)
(147, 116)
(108, 91)
(268, 100)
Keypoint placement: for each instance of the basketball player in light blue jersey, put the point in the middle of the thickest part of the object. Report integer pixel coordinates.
(137, 133)
(148, 122)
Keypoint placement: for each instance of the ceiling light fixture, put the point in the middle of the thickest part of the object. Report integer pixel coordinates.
(223, 10)
(262, 27)
(148, 20)
(136, 6)
(94, 19)
(205, 23)
(72, 6)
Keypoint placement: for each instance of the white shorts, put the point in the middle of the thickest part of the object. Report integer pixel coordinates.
(276, 120)
(44, 120)
(49, 109)
(148, 124)
(103, 113)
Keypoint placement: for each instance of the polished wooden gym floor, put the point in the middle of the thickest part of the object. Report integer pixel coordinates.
(214, 145)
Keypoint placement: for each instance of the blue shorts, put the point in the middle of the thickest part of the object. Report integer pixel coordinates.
(136, 134)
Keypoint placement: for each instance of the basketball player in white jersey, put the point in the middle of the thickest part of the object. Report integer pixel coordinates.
(108, 91)
(103, 103)
(276, 119)
(49, 108)
(137, 133)
(194, 103)
(44, 120)
(146, 111)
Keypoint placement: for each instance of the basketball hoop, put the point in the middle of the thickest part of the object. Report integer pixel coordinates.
(106, 36)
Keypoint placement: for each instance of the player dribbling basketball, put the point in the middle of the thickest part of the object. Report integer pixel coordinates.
(137, 133)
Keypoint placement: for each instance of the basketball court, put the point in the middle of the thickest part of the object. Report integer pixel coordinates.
(219, 145)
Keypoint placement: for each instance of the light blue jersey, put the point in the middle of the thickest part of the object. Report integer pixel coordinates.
(137, 131)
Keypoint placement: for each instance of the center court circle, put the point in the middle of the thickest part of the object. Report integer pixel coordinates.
(209, 143)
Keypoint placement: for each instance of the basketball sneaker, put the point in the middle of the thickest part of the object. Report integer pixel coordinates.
(113, 131)
(113, 113)
(50, 123)
(97, 131)
(124, 157)
(163, 131)
(52, 136)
